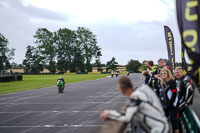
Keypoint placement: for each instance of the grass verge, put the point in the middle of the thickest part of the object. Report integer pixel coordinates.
(41, 81)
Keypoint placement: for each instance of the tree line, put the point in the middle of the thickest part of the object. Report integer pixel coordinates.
(6, 54)
(63, 50)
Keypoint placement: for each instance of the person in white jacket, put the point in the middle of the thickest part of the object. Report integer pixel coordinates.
(144, 108)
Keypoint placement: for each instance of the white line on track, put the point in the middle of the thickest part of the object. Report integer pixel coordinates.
(63, 103)
(73, 111)
(13, 118)
(105, 96)
(50, 126)
(36, 95)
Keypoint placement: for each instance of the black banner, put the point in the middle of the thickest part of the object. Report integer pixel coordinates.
(170, 47)
(184, 63)
(188, 13)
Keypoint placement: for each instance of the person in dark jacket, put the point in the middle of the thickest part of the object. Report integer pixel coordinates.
(147, 76)
(169, 98)
(154, 81)
(185, 88)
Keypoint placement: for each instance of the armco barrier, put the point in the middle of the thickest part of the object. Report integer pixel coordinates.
(7, 78)
(38, 73)
(105, 72)
(19, 77)
(191, 121)
(10, 78)
(81, 72)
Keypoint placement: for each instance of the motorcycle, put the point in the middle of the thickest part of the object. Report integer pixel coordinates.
(60, 85)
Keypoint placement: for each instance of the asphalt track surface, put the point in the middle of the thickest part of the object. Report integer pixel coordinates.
(75, 111)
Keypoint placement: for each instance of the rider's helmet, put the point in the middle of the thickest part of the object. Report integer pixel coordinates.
(60, 78)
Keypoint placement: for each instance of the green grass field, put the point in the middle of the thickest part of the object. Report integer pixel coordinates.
(40, 81)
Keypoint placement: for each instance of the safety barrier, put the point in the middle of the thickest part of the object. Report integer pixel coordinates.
(191, 121)
(11, 78)
(105, 72)
(81, 72)
(131, 71)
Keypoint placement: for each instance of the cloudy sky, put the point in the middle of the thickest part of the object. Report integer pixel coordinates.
(125, 29)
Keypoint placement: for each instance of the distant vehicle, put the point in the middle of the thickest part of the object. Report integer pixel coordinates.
(128, 73)
(112, 74)
(60, 84)
(117, 73)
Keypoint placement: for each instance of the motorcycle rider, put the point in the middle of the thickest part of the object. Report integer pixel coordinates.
(112, 74)
(128, 73)
(117, 73)
(144, 107)
(61, 82)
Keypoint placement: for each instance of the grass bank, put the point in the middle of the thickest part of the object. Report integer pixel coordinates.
(40, 81)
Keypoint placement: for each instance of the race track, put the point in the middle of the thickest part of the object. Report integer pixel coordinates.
(75, 111)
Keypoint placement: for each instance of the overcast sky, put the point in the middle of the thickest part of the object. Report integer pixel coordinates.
(125, 29)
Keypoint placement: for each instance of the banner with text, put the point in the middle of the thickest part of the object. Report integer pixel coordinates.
(170, 47)
(188, 15)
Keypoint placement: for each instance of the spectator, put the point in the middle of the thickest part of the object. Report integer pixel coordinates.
(147, 76)
(169, 98)
(185, 88)
(146, 63)
(151, 64)
(144, 108)
(161, 63)
(154, 81)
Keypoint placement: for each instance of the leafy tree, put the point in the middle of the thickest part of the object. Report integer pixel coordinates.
(29, 58)
(73, 50)
(33, 60)
(78, 60)
(45, 42)
(20, 66)
(13, 65)
(133, 65)
(103, 65)
(112, 64)
(97, 61)
(88, 43)
(65, 42)
(69, 51)
(142, 68)
(17, 66)
(178, 64)
(6, 54)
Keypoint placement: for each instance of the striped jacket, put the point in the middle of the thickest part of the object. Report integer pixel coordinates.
(145, 109)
